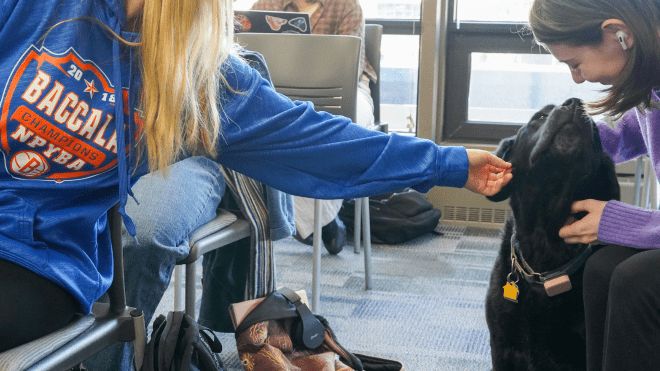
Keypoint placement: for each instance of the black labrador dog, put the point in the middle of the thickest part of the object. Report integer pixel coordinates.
(534, 304)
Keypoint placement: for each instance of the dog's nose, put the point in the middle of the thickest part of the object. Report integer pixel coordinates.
(572, 102)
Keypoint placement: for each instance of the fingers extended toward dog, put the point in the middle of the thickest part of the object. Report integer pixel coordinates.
(590, 206)
(498, 163)
(487, 173)
(493, 184)
(580, 206)
(581, 239)
(578, 232)
(481, 158)
(586, 229)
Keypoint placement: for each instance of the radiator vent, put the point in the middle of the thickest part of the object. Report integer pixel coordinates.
(475, 214)
(461, 213)
(501, 216)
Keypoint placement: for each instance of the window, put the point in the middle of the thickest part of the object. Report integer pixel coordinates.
(399, 60)
(492, 11)
(497, 77)
(510, 87)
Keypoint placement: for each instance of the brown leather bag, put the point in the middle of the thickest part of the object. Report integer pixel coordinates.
(281, 334)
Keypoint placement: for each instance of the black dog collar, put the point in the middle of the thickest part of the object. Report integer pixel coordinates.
(555, 281)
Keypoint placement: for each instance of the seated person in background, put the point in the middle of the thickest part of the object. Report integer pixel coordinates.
(203, 99)
(330, 17)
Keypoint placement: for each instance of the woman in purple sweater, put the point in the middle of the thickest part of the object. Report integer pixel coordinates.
(616, 43)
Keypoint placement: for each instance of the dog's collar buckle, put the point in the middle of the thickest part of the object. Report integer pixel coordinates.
(557, 285)
(554, 282)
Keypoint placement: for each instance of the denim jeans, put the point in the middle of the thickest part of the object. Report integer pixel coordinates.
(169, 210)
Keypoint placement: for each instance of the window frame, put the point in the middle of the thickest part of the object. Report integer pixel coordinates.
(397, 26)
(406, 27)
(463, 39)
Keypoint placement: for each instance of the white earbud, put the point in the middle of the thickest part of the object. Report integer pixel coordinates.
(622, 39)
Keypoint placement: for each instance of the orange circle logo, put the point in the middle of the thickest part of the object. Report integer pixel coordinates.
(29, 164)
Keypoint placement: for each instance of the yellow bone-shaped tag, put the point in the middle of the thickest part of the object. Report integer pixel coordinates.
(511, 291)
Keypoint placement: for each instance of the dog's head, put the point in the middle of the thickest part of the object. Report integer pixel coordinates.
(556, 158)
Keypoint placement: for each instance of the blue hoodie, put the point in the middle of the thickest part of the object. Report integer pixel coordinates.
(65, 132)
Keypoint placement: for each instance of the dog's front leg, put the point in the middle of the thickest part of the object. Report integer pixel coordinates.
(509, 344)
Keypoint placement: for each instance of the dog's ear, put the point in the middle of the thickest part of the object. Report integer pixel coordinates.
(504, 151)
(503, 194)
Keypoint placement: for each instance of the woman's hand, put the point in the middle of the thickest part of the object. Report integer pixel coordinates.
(487, 172)
(584, 230)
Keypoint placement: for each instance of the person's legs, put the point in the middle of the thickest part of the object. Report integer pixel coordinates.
(32, 306)
(333, 231)
(597, 274)
(365, 108)
(304, 214)
(632, 326)
(169, 210)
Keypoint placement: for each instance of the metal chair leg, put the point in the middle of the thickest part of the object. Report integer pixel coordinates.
(316, 269)
(178, 287)
(638, 181)
(140, 342)
(648, 173)
(356, 225)
(366, 231)
(190, 290)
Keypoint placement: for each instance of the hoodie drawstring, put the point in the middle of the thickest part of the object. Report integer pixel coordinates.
(122, 169)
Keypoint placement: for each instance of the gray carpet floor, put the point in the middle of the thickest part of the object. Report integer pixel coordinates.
(426, 307)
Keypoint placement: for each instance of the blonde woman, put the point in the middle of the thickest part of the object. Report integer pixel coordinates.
(96, 93)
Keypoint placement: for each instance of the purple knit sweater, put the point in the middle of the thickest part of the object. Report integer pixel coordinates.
(638, 133)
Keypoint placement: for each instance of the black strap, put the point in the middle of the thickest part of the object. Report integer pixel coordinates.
(570, 267)
(273, 307)
(166, 348)
(566, 269)
(189, 333)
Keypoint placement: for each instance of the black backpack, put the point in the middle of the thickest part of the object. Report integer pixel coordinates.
(179, 343)
(395, 217)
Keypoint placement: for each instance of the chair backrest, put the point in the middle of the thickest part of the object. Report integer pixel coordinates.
(322, 69)
(373, 34)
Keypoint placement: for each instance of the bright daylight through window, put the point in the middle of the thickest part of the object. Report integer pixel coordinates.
(510, 87)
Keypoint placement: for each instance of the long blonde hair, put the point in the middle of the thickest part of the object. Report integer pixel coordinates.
(184, 43)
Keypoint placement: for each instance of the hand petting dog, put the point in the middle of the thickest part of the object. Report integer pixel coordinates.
(487, 173)
(584, 230)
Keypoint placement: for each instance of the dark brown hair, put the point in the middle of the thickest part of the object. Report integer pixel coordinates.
(578, 23)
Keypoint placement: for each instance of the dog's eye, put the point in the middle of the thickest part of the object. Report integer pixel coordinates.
(541, 116)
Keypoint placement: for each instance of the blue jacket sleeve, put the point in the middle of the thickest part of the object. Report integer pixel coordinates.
(290, 147)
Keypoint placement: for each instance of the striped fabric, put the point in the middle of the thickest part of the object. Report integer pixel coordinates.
(251, 199)
(26, 355)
